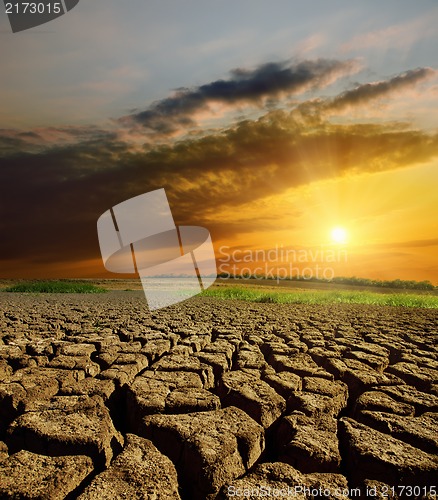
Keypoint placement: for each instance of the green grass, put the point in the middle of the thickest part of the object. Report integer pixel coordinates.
(325, 297)
(55, 287)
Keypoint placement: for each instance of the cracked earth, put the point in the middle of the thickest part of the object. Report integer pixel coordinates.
(101, 399)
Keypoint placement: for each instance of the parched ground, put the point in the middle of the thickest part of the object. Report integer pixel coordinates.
(101, 399)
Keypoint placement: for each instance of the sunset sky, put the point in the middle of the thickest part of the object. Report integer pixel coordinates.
(269, 123)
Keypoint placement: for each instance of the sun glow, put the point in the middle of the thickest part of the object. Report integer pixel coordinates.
(339, 235)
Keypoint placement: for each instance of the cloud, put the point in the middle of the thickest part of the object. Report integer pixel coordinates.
(56, 182)
(53, 198)
(315, 110)
(266, 82)
(39, 139)
(362, 94)
(398, 35)
(432, 242)
(263, 87)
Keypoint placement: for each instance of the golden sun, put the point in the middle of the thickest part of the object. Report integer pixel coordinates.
(339, 235)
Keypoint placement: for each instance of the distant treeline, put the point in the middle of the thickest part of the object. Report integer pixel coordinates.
(408, 284)
(353, 280)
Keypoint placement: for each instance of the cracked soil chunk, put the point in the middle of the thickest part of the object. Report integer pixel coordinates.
(257, 398)
(309, 444)
(187, 399)
(421, 432)
(315, 404)
(279, 480)
(371, 454)
(301, 364)
(140, 472)
(67, 425)
(207, 448)
(421, 401)
(27, 475)
(284, 383)
(3, 451)
(191, 364)
(166, 392)
(380, 401)
(420, 377)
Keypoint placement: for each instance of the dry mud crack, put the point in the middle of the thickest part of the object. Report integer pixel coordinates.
(100, 399)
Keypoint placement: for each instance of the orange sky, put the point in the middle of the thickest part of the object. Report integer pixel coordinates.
(389, 219)
(283, 126)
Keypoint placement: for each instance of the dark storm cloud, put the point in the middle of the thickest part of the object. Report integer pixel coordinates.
(315, 111)
(52, 196)
(268, 81)
(51, 200)
(369, 91)
(13, 140)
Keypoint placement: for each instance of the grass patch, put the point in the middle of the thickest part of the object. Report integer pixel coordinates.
(55, 287)
(325, 297)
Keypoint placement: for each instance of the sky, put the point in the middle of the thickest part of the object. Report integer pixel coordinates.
(307, 127)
